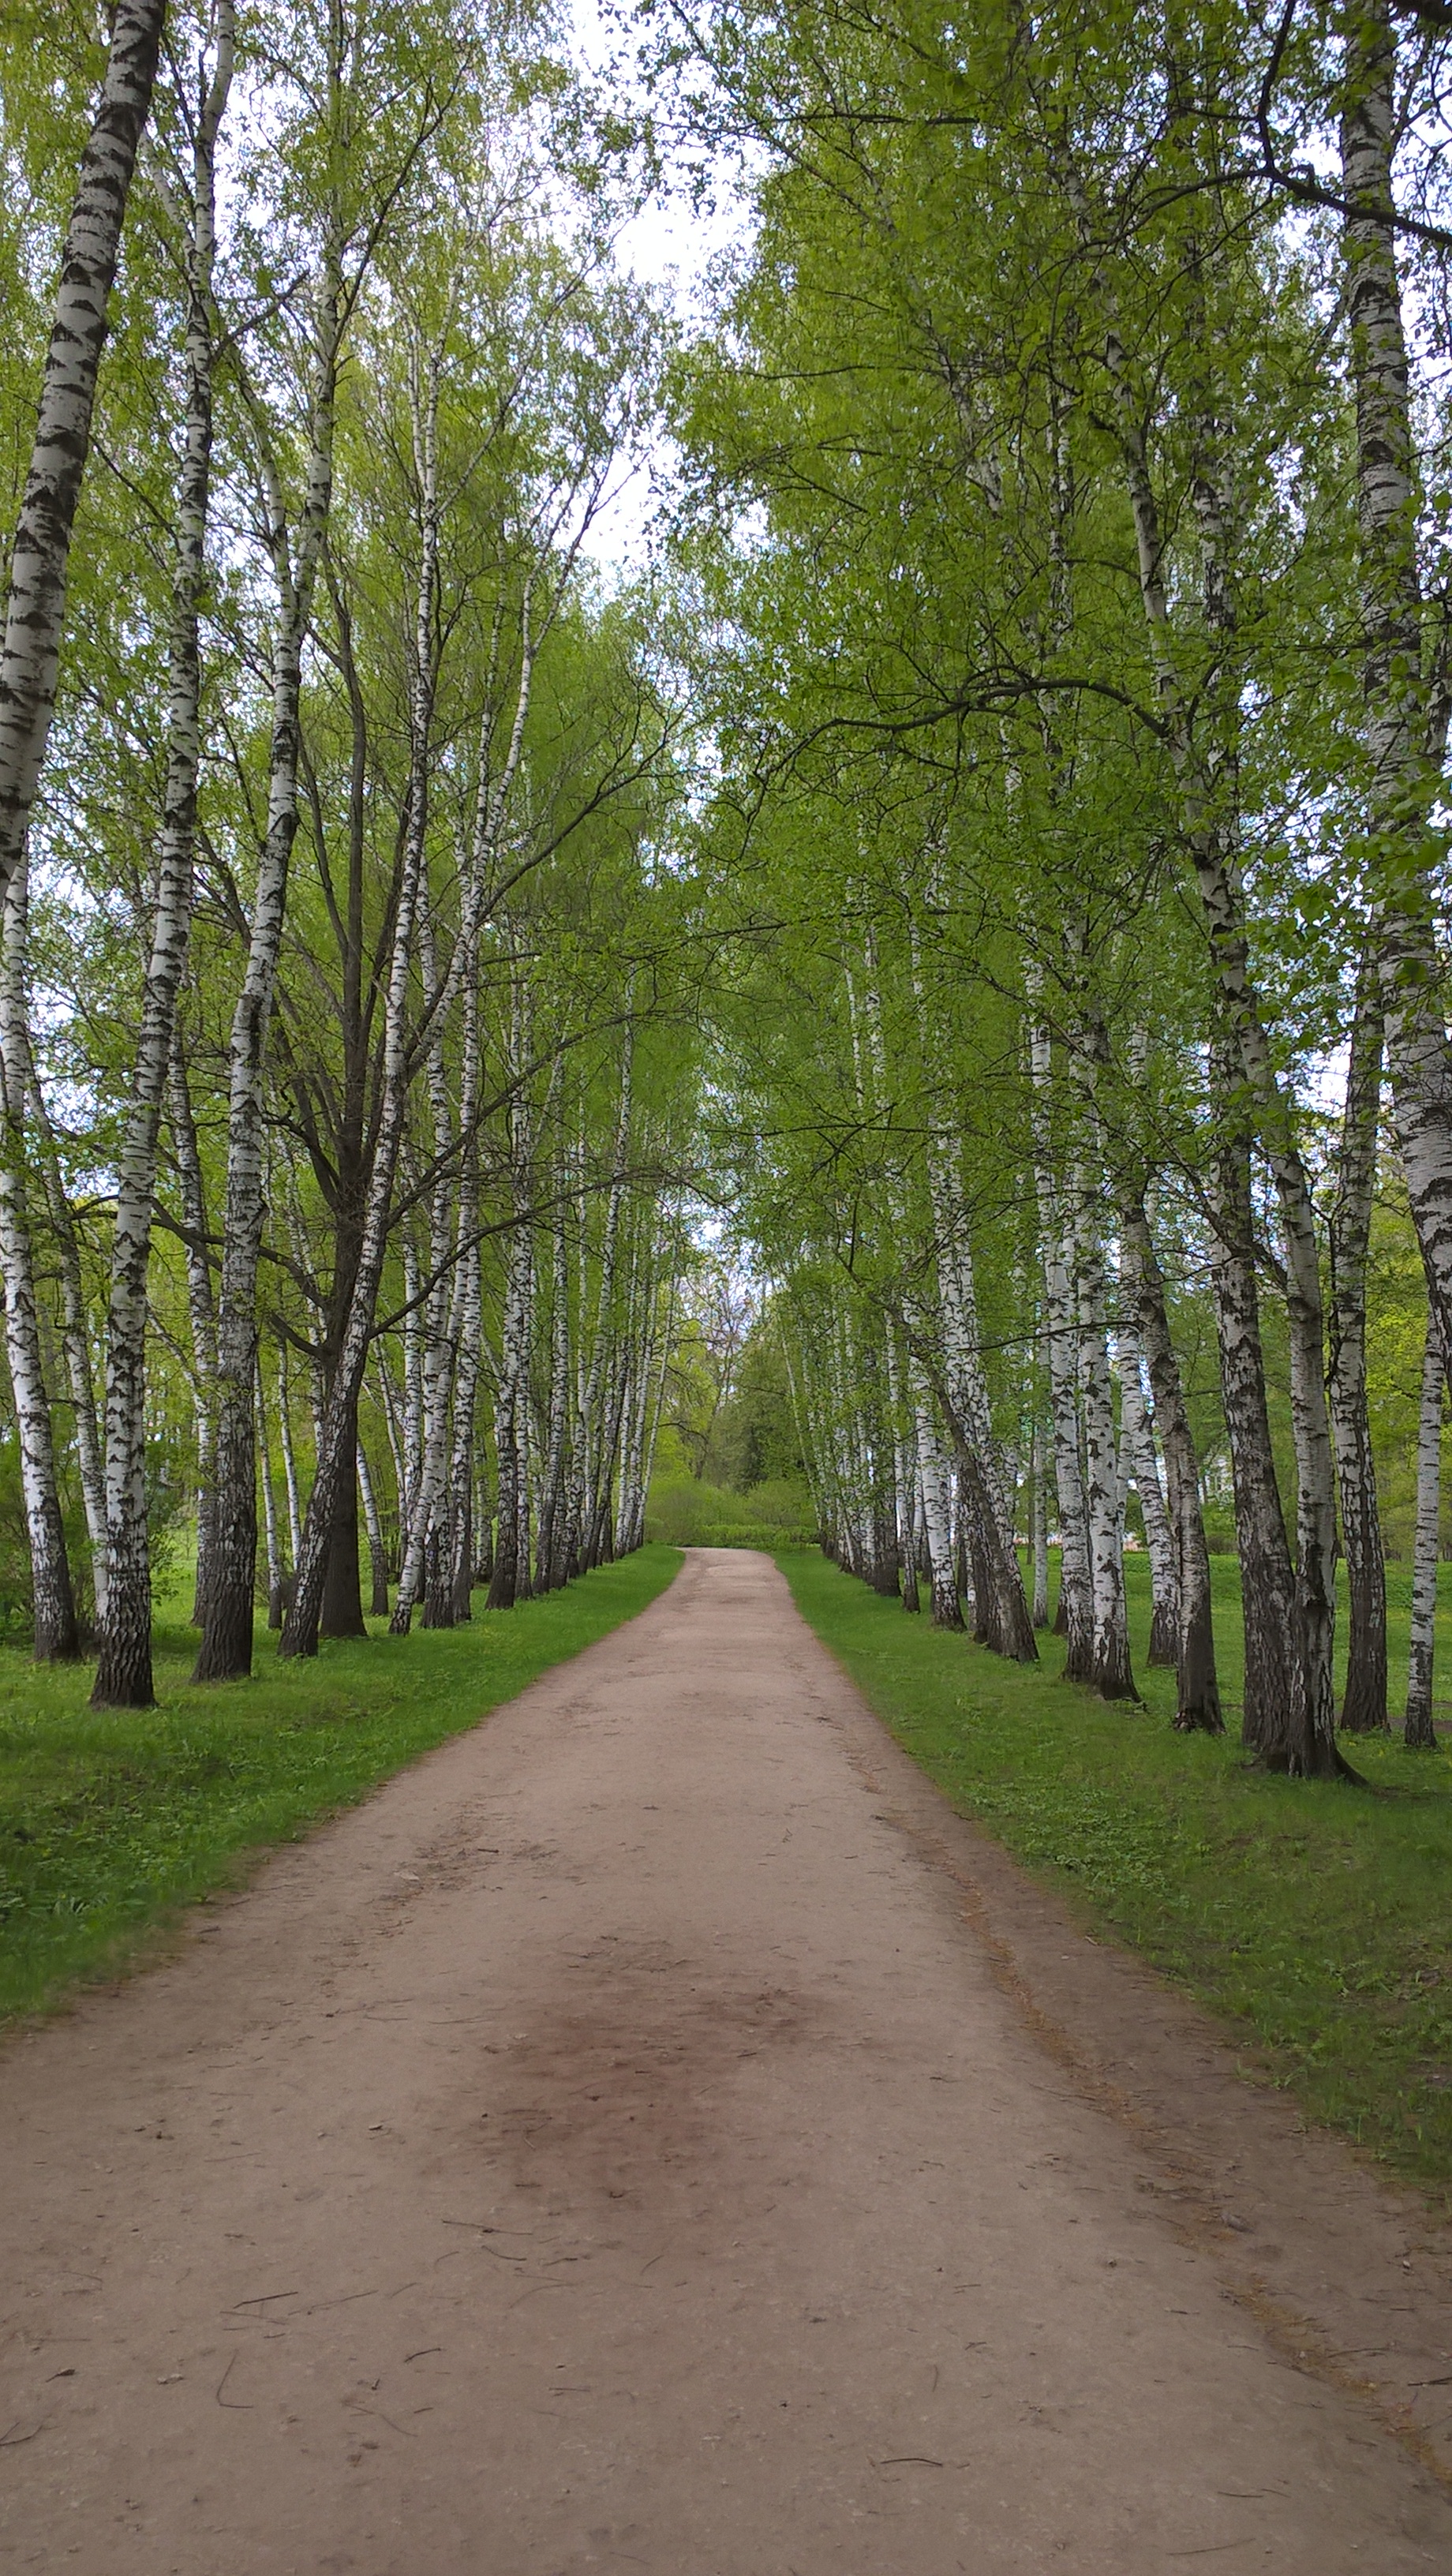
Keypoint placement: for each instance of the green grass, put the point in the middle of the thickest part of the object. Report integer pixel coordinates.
(110, 1821)
(1315, 1919)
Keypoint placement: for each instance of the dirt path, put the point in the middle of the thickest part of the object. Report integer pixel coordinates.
(625, 2144)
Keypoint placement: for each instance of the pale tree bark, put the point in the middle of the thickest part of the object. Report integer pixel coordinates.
(76, 1342)
(1197, 1685)
(510, 1580)
(289, 1462)
(411, 1428)
(933, 1487)
(1364, 1705)
(1164, 1645)
(553, 1530)
(201, 1305)
(438, 1351)
(1404, 730)
(1110, 1671)
(461, 1462)
(639, 1374)
(1420, 1731)
(271, 1536)
(1206, 783)
(40, 553)
(469, 1324)
(1038, 1527)
(1076, 1612)
(377, 1552)
(584, 1498)
(123, 1672)
(56, 1633)
(1002, 1612)
(226, 1647)
(904, 1477)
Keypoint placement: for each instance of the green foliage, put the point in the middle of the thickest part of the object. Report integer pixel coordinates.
(111, 1821)
(1312, 1917)
(688, 1513)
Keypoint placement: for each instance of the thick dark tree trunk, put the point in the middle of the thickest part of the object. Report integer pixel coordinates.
(1364, 1705)
(225, 1653)
(342, 1610)
(1276, 1726)
(438, 1599)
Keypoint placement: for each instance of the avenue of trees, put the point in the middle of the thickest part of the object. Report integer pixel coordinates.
(1069, 475)
(996, 861)
(341, 1060)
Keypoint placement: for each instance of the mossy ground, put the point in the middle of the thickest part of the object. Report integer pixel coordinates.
(110, 1821)
(1315, 1920)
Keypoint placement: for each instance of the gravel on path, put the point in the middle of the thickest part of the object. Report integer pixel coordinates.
(626, 2143)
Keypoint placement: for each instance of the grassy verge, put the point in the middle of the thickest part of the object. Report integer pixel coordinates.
(1317, 1920)
(110, 1821)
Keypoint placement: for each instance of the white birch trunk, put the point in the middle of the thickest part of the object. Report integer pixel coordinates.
(1210, 825)
(35, 606)
(377, 1552)
(269, 1509)
(56, 1635)
(1421, 1732)
(289, 1463)
(76, 1342)
(1061, 1333)
(123, 1673)
(1164, 1645)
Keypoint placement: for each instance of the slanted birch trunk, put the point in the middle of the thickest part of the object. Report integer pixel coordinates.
(123, 1672)
(40, 553)
(1404, 733)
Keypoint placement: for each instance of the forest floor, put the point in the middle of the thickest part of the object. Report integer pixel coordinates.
(111, 1820)
(656, 2133)
(1314, 1919)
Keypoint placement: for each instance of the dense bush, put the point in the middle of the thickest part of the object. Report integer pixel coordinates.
(684, 1512)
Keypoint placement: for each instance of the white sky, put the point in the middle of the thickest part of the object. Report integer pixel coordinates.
(669, 245)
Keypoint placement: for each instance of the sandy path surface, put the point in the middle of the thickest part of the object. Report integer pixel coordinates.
(618, 2146)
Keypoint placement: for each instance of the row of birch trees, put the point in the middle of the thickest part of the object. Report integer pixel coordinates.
(343, 1076)
(1072, 486)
